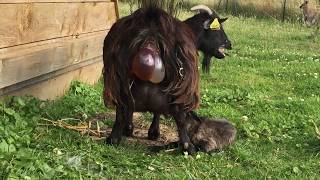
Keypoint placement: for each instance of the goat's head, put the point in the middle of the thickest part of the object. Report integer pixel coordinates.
(212, 40)
(304, 4)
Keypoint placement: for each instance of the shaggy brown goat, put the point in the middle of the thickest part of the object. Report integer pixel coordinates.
(132, 46)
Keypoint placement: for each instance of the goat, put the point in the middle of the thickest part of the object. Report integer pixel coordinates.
(150, 64)
(206, 134)
(210, 35)
(311, 16)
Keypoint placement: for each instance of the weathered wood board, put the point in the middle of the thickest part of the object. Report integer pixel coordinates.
(28, 61)
(32, 22)
(51, 1)
(57, 86)
(45, 40)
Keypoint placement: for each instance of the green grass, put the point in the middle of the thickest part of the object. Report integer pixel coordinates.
(272, 78)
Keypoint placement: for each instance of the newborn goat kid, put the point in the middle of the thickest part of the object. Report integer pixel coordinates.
(210, 134)
(206, 134)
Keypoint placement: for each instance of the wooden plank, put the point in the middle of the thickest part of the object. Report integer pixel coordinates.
(49, 1)
(57, 86)
(48, 76)
(32, 22)
(28, 61)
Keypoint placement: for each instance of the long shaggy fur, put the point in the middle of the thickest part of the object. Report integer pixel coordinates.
(177, 50)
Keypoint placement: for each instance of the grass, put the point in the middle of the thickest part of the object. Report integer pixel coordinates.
(269, 88)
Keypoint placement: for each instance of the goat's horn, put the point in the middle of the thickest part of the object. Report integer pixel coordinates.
(202, 7)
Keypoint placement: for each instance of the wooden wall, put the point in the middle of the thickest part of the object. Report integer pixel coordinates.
(44, 44)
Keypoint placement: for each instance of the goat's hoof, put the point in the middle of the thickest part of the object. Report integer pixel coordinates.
(128, 131)
(113, 140)
(153, 134)
(189, 147)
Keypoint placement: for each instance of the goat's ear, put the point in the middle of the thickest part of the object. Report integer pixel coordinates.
(206, 24)
(222, 20)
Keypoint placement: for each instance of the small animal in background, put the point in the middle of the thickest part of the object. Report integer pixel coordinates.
(311, 16)
(206, 134)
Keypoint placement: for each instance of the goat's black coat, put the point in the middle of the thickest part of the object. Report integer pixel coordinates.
(207, 40)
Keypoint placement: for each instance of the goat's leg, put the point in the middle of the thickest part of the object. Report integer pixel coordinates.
(128, 117)
(180, 118)
(116, 133)
(154, 130)
(128, 130)
(206, 63)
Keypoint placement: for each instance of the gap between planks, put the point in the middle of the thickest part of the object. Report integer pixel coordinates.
(50, 40)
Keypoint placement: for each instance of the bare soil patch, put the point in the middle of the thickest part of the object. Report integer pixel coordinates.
(140, 134)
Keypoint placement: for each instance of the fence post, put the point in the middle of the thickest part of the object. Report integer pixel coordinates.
(227, 2)
(219, 4)
(284, 10)
(234, 7)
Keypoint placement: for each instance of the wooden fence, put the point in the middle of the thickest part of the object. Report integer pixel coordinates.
(45, 44)
(279, 9)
